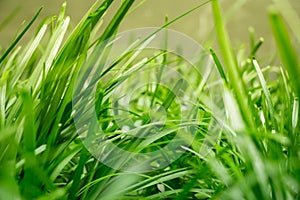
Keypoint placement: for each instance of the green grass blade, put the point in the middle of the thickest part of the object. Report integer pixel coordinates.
(286, 50)
(256, 47)
(219, 65)
(15, 42)
(177, 19)
(29, 133)
(295, 114)
(172, 95)
(115, 22)
(77, 175)
(26, 55)
(266, 93)
(2, 102)
(31, 182)
(235, 79)
(64, 160)
(163, 64)
(291, 16)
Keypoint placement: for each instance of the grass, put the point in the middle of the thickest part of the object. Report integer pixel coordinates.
(64, 126)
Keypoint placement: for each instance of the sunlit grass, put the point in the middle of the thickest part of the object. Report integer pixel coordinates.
(252, 153)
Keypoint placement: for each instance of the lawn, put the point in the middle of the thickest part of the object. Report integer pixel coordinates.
(94, 113)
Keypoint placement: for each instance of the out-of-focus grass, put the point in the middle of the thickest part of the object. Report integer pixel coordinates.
(256, 155)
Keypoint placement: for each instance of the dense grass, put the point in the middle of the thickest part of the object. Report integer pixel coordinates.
(245, 143)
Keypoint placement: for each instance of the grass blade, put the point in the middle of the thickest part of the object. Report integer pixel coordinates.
(291, 16)
(15, 42)
(219, 65)
(115, 22)
(286, 49)
(234, 75)
(256, 47)
(295, 114)
(266, 93)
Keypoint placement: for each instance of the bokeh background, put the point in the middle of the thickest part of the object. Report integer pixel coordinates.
(198, 25)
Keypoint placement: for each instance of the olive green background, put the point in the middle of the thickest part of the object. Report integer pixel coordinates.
(197, 25)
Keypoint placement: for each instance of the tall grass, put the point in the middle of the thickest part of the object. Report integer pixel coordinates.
(254, 154)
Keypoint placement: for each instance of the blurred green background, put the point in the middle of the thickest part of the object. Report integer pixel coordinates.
(198, 25)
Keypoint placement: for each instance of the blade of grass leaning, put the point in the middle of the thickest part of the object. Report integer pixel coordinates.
(293, 150)
(26, 55)
(291, 16)
(256, 47)
(233, 113)
(266, 93)
(285, 83)
(171, 95)
(163, 64)
(135, 7)
(159, 178)
(285, 49)
(235, 78)
(19, 37)
(295, 114)
(64, 160)
(93, 182)
(29, 132)
(219, 65)
(116, 20)
(3, 94)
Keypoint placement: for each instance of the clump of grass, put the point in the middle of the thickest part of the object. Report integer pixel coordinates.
(258, 160)
(41, 155)
(255, 153)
